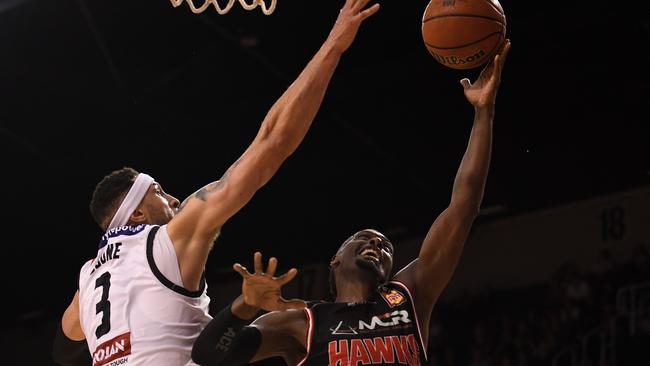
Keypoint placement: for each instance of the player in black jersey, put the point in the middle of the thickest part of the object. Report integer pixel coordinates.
(376, 318)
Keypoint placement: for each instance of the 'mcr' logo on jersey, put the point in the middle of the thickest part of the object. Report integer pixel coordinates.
(386, 320)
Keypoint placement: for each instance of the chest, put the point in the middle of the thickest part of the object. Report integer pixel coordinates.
(382, 331)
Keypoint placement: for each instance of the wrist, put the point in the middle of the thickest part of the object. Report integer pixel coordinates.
(242, 310)
(332, 48)
(484, 111)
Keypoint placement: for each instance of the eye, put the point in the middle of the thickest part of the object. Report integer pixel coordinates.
(362, 237)
(385, 246)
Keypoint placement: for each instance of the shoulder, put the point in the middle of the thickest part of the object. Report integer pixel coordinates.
(395, 292)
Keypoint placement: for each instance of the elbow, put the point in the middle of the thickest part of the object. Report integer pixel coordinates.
(467, 208)
(473, 212)
(470, 213)
(200, 355)
(280, 140)
(201, 351)
(282, 145)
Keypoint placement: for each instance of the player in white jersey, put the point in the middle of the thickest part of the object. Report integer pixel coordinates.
(123, 329)
(154, 301)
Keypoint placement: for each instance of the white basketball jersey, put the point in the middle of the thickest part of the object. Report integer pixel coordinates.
(131, 313)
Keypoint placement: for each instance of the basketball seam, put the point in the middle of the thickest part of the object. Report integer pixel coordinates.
(497, 48)
(464, 45)
(464, 15)
(495, 8)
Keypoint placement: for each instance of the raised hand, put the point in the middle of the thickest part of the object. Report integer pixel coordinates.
(347, 24)
(262, 290)
(484, 90)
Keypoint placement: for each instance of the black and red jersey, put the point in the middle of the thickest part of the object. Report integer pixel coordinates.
(381, 331)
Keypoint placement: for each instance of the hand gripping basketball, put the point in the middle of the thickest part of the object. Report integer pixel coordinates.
(262, 290)
(483, 92)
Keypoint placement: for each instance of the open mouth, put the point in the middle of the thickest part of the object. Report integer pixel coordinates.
(370, 254)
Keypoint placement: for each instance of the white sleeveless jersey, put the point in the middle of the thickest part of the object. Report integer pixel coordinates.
(131, 313)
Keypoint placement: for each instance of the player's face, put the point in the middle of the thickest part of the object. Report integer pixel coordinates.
(370, 250)
(159, 207)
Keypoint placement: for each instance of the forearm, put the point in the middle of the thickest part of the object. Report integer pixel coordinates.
(291, 116)
(443, 244)
(227, 340)
(472, 174)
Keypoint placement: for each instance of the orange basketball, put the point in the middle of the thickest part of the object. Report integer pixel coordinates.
(463, 34)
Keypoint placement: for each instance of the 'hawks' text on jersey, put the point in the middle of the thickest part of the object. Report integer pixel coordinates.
(382, 331)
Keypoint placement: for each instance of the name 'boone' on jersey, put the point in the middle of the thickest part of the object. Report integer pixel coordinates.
(132, 306)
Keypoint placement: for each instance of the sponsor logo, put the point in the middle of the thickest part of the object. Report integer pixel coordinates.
(396, 319)
(379, 350)
(457, 60)
(393, 298)
(343, 329)
(110, 351)
(386, 320)
(226, 339)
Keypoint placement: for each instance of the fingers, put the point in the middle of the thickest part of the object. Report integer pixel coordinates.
(500, 58)
(466, 83)
(287, 277)
(357, 7)
(257, 263)
(369, 12)
(359, 4)
(273, 265)
(241, 270)
(504, 51)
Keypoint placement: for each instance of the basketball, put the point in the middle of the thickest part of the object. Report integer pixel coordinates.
(463, 34)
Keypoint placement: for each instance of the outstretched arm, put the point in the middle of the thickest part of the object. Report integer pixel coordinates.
(229, 340)
(195, 227)
(441, 249)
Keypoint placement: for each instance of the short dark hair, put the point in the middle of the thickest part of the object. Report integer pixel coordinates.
(108, 194)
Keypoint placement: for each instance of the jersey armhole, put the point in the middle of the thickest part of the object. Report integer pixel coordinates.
(161, 277)
(415, 313)
(310, 334)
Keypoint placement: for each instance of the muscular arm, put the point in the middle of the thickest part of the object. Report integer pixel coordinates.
(444, 242)
(284, 127)
(441, 249)
(278, 333)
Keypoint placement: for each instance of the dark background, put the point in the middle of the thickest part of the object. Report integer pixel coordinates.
(87, 87)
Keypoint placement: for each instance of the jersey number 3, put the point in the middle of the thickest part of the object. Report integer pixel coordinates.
(103, 306)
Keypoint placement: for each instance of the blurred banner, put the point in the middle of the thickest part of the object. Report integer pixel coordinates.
(530, 248)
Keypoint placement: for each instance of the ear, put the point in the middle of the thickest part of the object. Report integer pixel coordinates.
(335, 261)
(138, 216)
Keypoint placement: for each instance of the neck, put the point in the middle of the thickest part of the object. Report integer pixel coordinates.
(354, 291)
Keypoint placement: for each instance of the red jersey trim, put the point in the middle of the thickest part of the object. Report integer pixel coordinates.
(309, 335)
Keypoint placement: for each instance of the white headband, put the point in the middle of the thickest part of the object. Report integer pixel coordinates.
(131, 201)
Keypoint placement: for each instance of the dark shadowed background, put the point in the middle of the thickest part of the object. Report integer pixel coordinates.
(89, 86)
